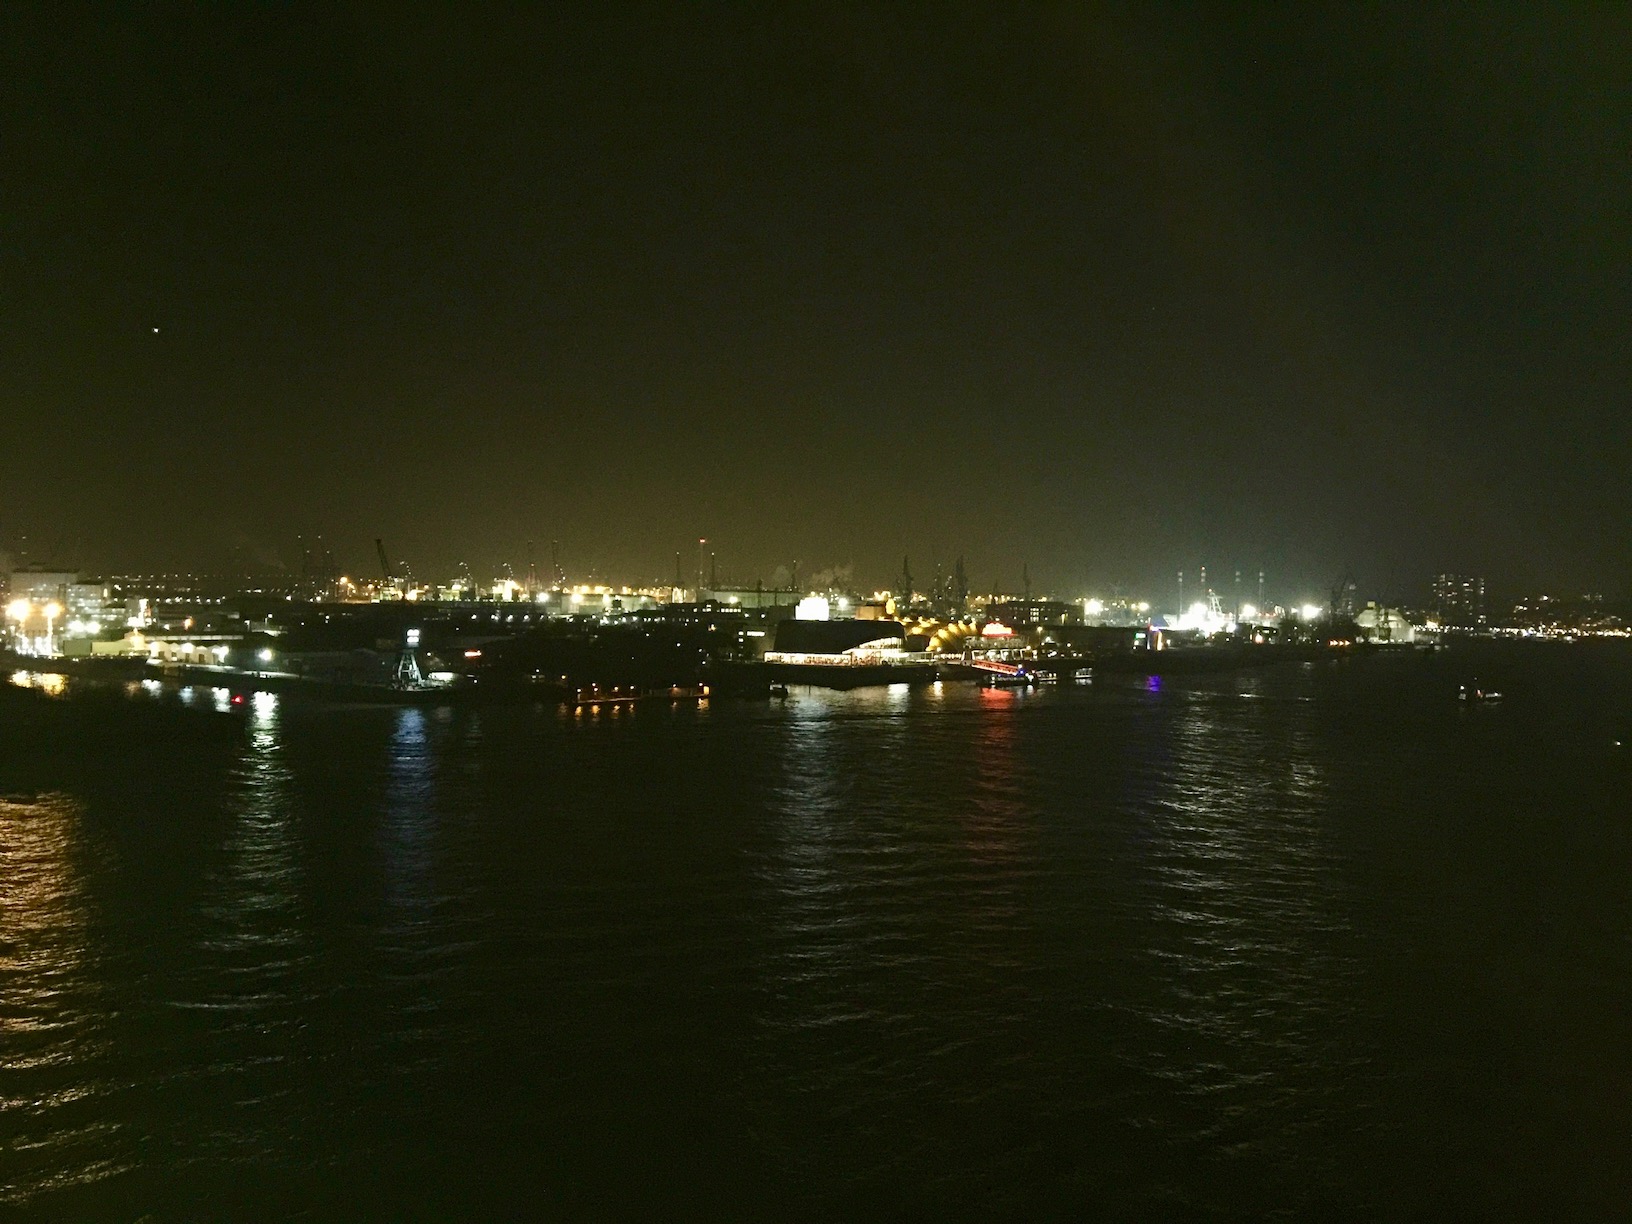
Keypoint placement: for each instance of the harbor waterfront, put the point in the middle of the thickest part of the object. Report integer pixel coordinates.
(1314, 938)
(842, 612)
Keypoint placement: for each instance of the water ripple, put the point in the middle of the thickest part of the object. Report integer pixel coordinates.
(1239, 947)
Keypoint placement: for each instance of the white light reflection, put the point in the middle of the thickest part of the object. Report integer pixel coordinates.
(253, 941)
(839, 848)
(409, 818)
(814, 813)
(1238, 910)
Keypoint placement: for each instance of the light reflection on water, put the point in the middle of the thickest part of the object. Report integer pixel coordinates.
(948, 949)
(1241, 969)
(51, 683)
(407, 821)
(991, 823)
(246, 997)
(55, 1077)
(817, 820)
(252, 896)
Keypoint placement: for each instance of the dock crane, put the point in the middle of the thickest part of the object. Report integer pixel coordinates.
(399, 579)
(385, 566)
(406, 673)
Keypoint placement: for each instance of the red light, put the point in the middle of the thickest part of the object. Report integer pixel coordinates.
(237, 699)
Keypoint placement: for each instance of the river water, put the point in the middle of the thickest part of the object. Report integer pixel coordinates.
(1308, 942)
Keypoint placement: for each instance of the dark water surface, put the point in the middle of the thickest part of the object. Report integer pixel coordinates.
(1316, 942)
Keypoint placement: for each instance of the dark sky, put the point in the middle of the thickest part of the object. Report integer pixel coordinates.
(1109, 291)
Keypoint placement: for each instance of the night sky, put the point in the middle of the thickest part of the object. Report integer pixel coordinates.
(1104, 291)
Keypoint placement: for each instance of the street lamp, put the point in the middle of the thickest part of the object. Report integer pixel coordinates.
(52, 610)
(19, 610)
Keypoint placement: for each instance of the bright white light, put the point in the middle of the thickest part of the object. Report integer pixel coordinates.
(1094, 607)
(1201, 617)
(1248, 612)
(266, 656)
(1310, 611)
(813, 607)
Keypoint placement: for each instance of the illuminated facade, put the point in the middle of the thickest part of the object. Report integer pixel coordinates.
(1459, 601)
(35, 609)
(1018, 612)
(92, 608)
(1380, 624)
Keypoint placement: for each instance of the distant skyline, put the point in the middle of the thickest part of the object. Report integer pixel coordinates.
(1104, 291)
(1194, 584)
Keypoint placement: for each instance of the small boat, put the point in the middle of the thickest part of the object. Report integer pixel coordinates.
(598, 696)
(1006, 680)
(1472, 692)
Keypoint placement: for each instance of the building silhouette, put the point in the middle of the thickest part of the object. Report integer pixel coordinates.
(1459, 601)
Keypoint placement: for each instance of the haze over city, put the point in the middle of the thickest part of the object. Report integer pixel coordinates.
(1103, 291)
(815, 611)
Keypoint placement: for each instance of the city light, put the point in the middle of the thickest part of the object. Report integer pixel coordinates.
(187, 629)
(813, 607)
(1205, 617)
